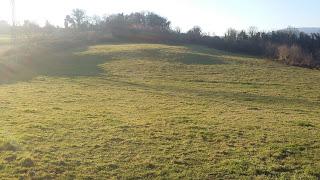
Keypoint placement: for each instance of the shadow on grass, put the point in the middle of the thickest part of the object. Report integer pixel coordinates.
(229, 95)
(57, 64)
(64, 62)
(258, 84)
(191, 57)
(200, 59)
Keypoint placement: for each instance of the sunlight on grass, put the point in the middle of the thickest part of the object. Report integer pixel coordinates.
(149, 110)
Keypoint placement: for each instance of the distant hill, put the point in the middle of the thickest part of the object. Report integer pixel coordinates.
(309, 30)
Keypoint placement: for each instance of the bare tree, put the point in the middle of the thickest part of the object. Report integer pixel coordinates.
(79, 17)
(231, 34)
(69, 22)
(252, 31)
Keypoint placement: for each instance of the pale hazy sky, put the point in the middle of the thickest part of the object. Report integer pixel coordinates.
(212, 15)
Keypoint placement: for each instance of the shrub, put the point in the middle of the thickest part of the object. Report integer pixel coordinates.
(295, 56)
(283, 53)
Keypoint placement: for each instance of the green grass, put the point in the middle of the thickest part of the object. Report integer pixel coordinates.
(4, 39)
(156, 111)
(4, 44)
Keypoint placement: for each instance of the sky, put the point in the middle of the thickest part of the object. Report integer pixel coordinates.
(214, 16)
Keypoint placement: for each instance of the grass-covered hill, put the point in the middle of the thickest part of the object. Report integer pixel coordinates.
(157, 111)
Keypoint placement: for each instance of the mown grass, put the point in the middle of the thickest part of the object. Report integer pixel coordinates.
(157, 111)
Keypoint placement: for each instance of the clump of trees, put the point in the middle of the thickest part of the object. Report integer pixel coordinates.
(139, 20)
(288, 46)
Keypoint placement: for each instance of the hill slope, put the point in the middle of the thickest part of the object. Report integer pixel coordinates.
(149, 110)
(309, 30)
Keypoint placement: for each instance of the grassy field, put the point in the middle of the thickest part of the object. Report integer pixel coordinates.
(4, 43)
(4, 39)
(157, 111)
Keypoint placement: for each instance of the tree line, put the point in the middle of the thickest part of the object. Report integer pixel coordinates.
(288, 46)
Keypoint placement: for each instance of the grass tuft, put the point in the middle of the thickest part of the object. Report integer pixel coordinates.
(27, 162)
(304, 124)
(8, 146)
